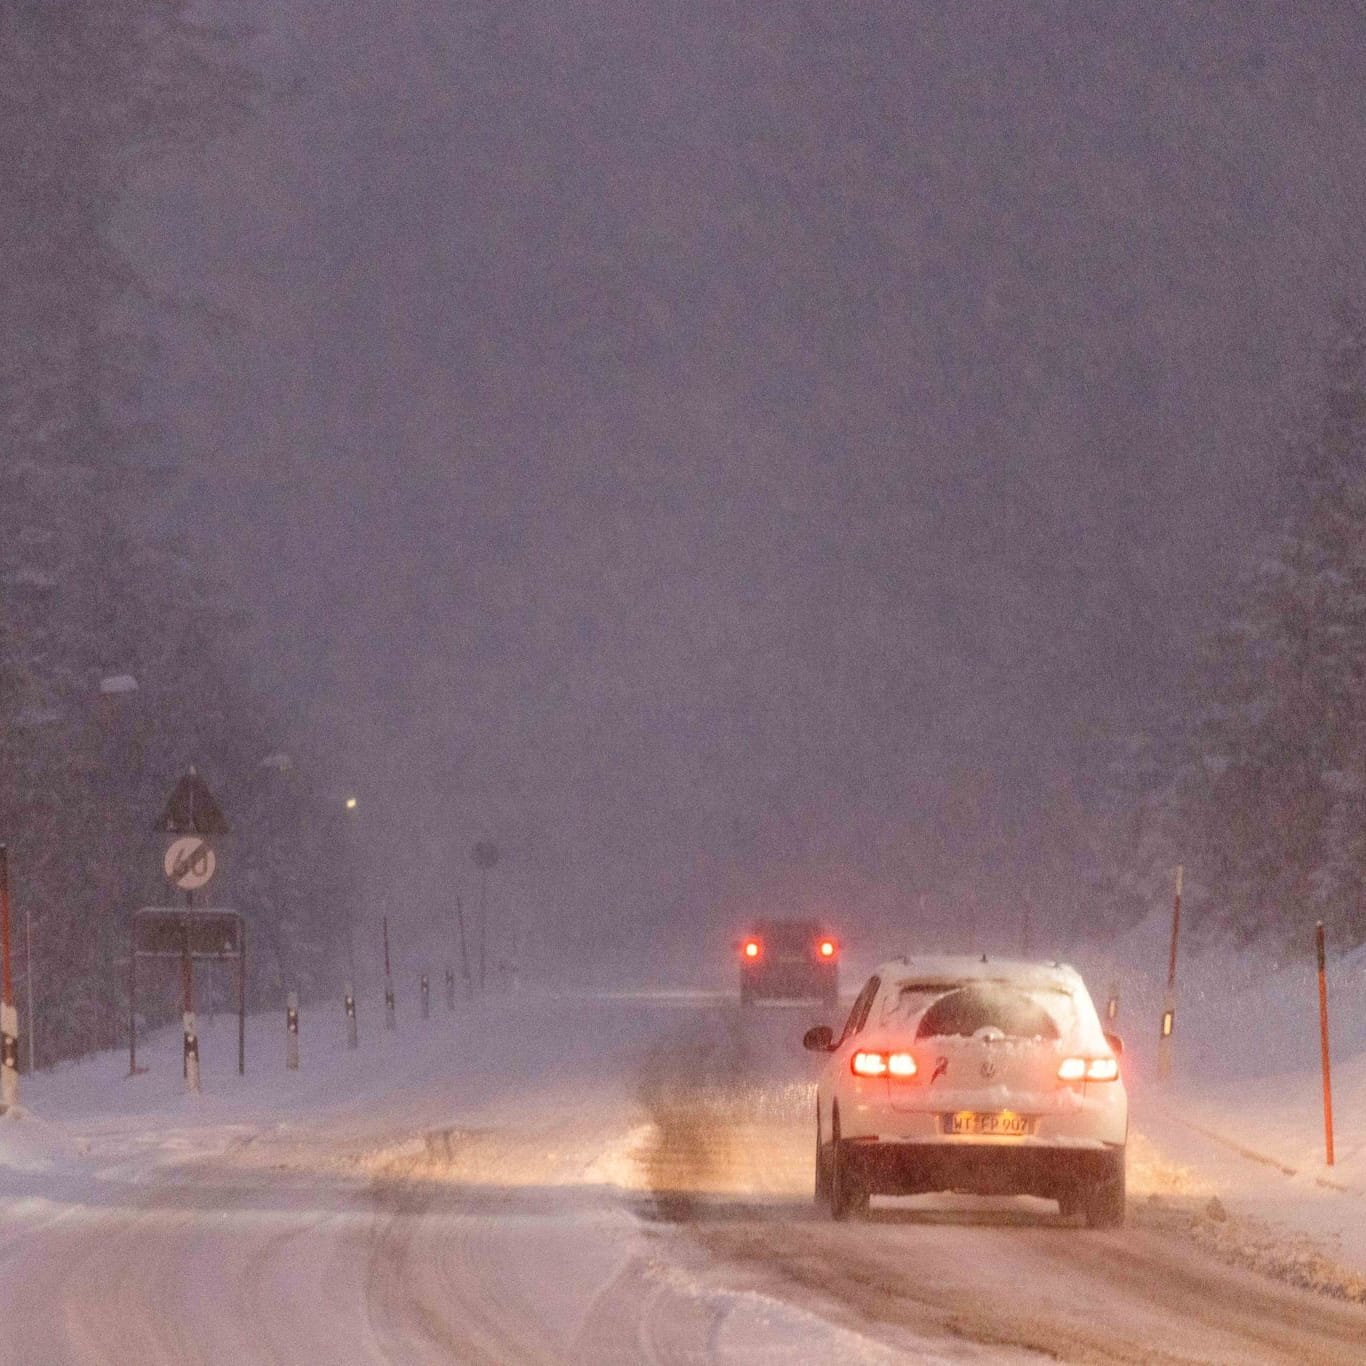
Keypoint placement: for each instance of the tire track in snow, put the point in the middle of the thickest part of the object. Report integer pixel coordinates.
(1003, 1276)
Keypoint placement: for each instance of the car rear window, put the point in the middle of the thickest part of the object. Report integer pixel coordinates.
(789, 935)
(1016, 1013)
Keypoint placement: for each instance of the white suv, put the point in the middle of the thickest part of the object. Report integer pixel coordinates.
(965, 1074)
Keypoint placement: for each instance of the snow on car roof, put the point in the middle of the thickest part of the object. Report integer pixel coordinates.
(949, 968)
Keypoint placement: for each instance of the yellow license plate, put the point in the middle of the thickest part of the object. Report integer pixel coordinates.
(1005, 1124)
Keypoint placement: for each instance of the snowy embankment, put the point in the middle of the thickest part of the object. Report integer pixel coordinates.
(1237, 1134)
(463, 1189)
(1241, 1122)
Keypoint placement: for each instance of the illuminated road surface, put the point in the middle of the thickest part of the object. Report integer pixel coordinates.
(588, 1180)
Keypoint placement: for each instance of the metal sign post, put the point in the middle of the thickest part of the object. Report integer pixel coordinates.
(191, 816)
(426, 989)
(188, 936)
(450, 987)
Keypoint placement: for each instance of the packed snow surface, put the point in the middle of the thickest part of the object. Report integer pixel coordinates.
(626, 1177)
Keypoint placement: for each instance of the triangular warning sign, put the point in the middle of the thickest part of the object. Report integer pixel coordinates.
(192, 810)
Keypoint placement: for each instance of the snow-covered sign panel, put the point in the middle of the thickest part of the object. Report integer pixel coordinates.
(192, 810)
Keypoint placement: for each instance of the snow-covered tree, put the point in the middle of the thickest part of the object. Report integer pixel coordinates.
(90, 91)
(1258, 781)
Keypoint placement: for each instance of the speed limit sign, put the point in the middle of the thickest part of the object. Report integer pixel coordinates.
(190, 862)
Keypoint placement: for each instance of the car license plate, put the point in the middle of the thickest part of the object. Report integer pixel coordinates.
(970, 1122)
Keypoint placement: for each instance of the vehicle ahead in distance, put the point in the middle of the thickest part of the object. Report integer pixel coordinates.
(961, 1074)
(789, 960)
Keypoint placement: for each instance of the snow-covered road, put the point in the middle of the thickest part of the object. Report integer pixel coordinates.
(592, 1179)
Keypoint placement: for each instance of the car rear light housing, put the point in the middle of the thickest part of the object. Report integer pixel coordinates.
(898, 1066)
(1088, 1069)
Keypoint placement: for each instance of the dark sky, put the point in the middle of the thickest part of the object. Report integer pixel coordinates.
(743, 454)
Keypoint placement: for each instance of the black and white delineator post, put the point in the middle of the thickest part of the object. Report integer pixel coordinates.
(426, 989)
(9, 1016)
(191, 1052)
(485, 857)
(1164, 1041)
(450, 987)
(292, 1032)
(464, 947)
(352, 1038)
(389, 1021)
(191, 1041)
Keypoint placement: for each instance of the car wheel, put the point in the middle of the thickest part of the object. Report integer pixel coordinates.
(1104, 1201)
(848, 1195)
(1069, 1205)
(822, 1164)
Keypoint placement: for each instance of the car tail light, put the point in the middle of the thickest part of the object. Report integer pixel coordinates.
(827, 948)
(1088, 1069)
(752, 949)
(900, 1066)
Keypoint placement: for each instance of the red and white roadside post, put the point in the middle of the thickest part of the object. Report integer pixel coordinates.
(1164, 1042)
(1323, 1044)
(9, 1016)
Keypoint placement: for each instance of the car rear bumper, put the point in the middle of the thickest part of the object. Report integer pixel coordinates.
(979, 1168)
(1087, 1116)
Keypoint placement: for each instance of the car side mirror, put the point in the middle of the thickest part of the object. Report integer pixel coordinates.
(819, 1039)
(1116, 1044)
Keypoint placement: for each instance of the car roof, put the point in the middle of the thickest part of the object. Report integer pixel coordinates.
(982, 968)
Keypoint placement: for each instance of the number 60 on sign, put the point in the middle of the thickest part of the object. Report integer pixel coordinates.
(190, 862)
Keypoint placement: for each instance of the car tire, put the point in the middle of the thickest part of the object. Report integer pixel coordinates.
(1069, 1204)
(822, 1165)
(1103, 1202)
(848, 1195)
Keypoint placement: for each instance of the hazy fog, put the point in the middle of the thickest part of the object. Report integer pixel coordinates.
(744, 455)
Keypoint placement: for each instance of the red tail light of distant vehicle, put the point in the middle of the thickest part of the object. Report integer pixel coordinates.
(752, 949)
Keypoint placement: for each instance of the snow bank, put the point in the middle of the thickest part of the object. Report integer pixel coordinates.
(31, 1144)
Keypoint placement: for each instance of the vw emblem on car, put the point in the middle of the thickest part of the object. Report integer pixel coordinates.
(988, 1069)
